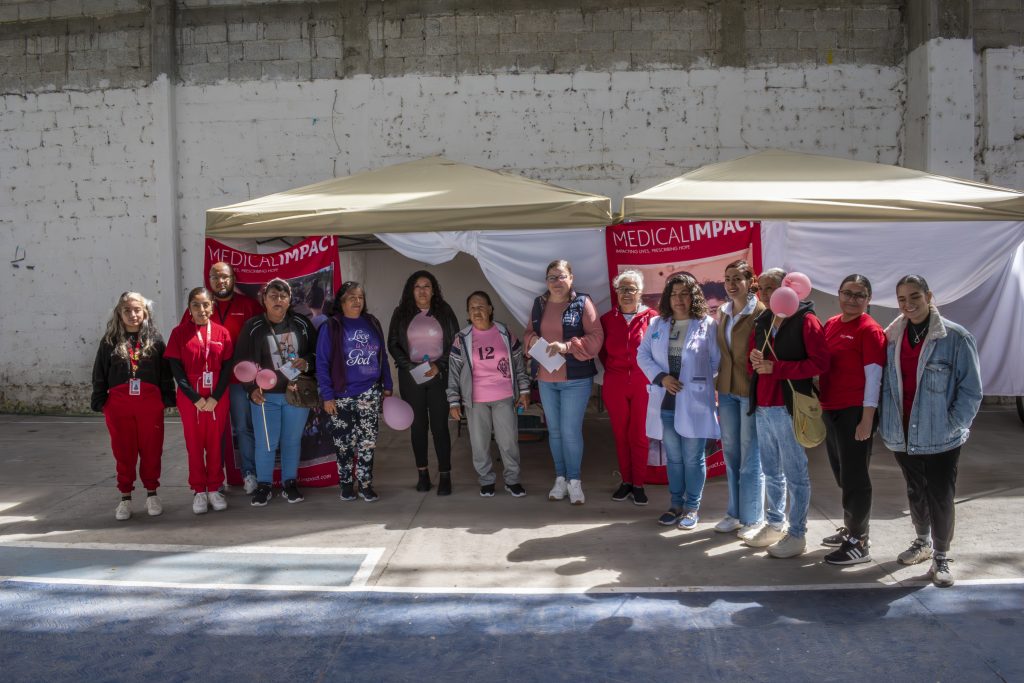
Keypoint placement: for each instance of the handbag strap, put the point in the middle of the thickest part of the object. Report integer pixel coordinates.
(771, 347)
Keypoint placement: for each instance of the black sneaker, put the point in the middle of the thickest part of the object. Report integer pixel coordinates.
(348, 492)
(622, 493)
(850, 552)
(444, 484)
(262, 495)
(639, 496)
(516, 490)
(290, 492)
(487, 491)
(837, 539)
(671, 518)
(368, 494)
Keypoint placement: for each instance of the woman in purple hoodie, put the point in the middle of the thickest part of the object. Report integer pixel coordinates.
(354, 377)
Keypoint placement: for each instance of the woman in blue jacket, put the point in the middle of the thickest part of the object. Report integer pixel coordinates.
(931, 392)
(680, 357)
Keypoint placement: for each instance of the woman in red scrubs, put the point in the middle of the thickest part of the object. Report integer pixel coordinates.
(199, 353)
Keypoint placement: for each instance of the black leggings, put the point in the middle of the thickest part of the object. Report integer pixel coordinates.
(850, 459)
(429, 407)
(931, 486)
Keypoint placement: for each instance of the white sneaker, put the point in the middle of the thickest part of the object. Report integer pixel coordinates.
(768, 535)
(728, 524)
(789, 546)
(250, 484)
(559, 490)
(919, 551)
(940, 573)
(200, 504)
(123, 511)
(217, 501)
(748, 531)
(153, 506)
(576, 492)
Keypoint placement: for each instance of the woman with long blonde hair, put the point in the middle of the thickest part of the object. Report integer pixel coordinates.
(131, 385)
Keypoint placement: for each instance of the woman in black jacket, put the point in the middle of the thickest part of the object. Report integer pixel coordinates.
(283, 341)
(131, 385)
(422, 329)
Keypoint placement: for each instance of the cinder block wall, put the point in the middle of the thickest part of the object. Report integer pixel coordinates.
(106, 169)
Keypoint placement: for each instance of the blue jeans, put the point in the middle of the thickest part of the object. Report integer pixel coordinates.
(241, 427)
(564, 404)
(284, 426)
(684, 458)
(742, 459)
(785, 469)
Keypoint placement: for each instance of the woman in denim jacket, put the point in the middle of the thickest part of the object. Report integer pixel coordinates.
(931, 391)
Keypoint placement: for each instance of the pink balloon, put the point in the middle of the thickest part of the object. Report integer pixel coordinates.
(246, 371)
(784, 302)
(799, 283)
(397, 413)
(266, 379)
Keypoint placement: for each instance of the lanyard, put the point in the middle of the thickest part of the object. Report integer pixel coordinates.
(227, 309)
(204, 349)
(133, 357)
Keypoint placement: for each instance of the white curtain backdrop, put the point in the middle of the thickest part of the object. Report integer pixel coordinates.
(975, 269)
(955, 258)
(994, 313)
(513, 261)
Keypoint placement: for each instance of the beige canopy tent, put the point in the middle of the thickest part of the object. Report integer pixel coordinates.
(827, 217)
(432, 194)
(795, 186)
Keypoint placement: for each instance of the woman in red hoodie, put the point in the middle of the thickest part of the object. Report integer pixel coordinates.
(625, 386)
(199, 353)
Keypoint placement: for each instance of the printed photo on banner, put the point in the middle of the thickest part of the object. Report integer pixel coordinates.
(311, 268)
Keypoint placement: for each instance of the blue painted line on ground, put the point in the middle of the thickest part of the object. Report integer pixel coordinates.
(147, 566)
(64, 632)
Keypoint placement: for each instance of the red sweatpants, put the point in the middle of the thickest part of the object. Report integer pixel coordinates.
(625, 397)
(136, 426)
(204, 434)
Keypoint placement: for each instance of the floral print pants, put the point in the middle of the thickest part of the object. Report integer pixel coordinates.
(354, 429)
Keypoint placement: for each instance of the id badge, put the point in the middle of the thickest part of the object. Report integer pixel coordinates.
(207, 380)
(134, 387)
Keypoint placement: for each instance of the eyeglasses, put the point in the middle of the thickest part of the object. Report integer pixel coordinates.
(626, 290)
(853, 296)
(557, 278)
(278, 297)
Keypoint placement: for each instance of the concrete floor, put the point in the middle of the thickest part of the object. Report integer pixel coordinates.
(57, 486)
(498, 589)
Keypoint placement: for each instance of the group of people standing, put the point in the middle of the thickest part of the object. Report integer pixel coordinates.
(919, 379)
(678, 375)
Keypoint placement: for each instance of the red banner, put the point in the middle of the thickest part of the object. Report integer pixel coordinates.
(659, 249)
(311, 268)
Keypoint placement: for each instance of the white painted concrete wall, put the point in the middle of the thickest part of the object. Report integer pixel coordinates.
(1001, 112)
(82, 190)
(940, 111)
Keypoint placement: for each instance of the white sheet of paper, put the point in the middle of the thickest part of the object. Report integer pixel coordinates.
(419, 373)
(539, 352)
(288, 371)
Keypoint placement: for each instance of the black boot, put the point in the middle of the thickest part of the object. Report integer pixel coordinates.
(444, 484)
(424, 483)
